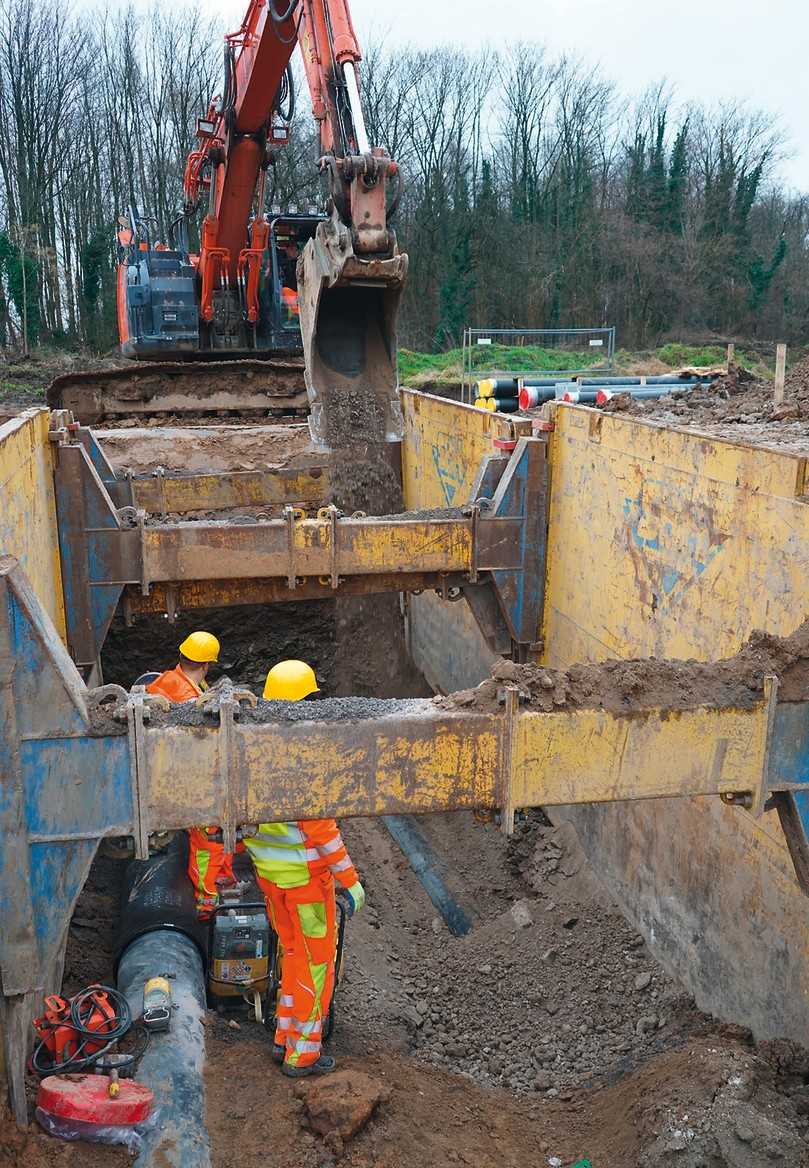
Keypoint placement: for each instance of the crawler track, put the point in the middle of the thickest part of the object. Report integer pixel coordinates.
(192, 390)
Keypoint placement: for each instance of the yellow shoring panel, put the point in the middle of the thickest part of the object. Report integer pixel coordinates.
(28, 508)
(592, 756)
(306, 487)
(669, 544)
(443, 447)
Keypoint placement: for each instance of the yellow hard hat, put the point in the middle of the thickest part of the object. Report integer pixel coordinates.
(200, 647)
(290, 681)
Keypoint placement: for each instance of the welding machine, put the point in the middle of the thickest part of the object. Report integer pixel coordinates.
(240, 951)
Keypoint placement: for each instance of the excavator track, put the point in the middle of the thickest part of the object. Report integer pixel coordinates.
(188, 391)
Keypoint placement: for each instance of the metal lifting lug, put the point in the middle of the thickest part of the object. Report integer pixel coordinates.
(222, 694)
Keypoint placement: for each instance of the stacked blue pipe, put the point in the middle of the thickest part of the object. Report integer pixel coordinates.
(508, 394)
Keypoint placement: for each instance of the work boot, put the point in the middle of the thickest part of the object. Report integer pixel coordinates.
(322, 1067)
(278, 1053)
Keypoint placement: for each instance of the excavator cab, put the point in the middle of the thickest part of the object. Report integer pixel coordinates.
(158, 297)
(280, 323)
(158, 317)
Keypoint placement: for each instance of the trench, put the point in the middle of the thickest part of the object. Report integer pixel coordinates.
(547, 1031)
(550, 1011)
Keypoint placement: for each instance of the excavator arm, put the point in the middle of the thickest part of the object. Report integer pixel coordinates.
(260, 293)
(238, 135)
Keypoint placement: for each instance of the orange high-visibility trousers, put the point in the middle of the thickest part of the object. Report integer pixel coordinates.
(207, 862)
(304, 920)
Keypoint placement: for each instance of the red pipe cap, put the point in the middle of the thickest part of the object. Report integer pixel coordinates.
(86, 1099)
(525, 400)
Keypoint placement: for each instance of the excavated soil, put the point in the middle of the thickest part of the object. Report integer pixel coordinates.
(622, 686)
(206, 448)
(736, 407)
(262, 636)
(713, 1104)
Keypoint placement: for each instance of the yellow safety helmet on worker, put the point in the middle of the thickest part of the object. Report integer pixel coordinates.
(200, 647)
(290, 681)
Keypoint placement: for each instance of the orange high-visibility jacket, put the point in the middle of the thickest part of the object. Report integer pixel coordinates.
(289, 298)
(174, 685)
(291, 854)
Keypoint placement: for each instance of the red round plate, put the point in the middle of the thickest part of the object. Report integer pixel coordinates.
(86, 1098)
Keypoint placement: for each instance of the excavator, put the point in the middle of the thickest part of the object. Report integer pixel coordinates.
(224, 329)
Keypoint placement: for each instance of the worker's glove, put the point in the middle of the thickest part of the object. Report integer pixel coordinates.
(353, 898)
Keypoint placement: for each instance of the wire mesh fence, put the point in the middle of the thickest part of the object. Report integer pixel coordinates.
(527, 352)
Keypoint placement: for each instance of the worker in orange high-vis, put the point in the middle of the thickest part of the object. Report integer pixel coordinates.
(207, 859)
(289, 300)
(186, 681)
(297, 865)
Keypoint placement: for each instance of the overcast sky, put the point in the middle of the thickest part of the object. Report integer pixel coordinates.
(707, 49)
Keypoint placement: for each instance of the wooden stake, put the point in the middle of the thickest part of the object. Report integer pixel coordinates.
(731, 351)
(780, 373)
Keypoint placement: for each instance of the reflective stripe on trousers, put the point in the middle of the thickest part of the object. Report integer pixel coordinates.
(304, 919)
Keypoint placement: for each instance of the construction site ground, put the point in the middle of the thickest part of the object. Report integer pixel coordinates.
(545, 1036)
(738, 407)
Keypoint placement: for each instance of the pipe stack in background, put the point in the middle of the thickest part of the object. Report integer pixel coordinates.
(506, 395)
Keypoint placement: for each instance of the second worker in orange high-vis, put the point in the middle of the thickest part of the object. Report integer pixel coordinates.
(297, 865)
(207, 859)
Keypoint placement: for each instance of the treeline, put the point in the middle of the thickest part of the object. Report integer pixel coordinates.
(534, 195)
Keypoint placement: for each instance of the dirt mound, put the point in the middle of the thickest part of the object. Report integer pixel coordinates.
(206, 448)
(555, 991)
(651, 683)
(735, 406)
(714, 1103)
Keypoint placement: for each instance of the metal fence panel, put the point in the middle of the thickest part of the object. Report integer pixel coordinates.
(493, 352)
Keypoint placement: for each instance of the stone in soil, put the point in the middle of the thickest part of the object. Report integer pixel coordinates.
(339, 1105)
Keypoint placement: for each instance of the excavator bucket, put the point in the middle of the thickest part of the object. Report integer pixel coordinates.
(348, 311)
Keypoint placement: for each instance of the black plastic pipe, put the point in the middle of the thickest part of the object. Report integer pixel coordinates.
(425, 863)
(160, 937)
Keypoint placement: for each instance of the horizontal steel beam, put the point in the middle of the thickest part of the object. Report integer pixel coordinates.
(166, 493)
(415, 757)
(328, 547)
(176, 598)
